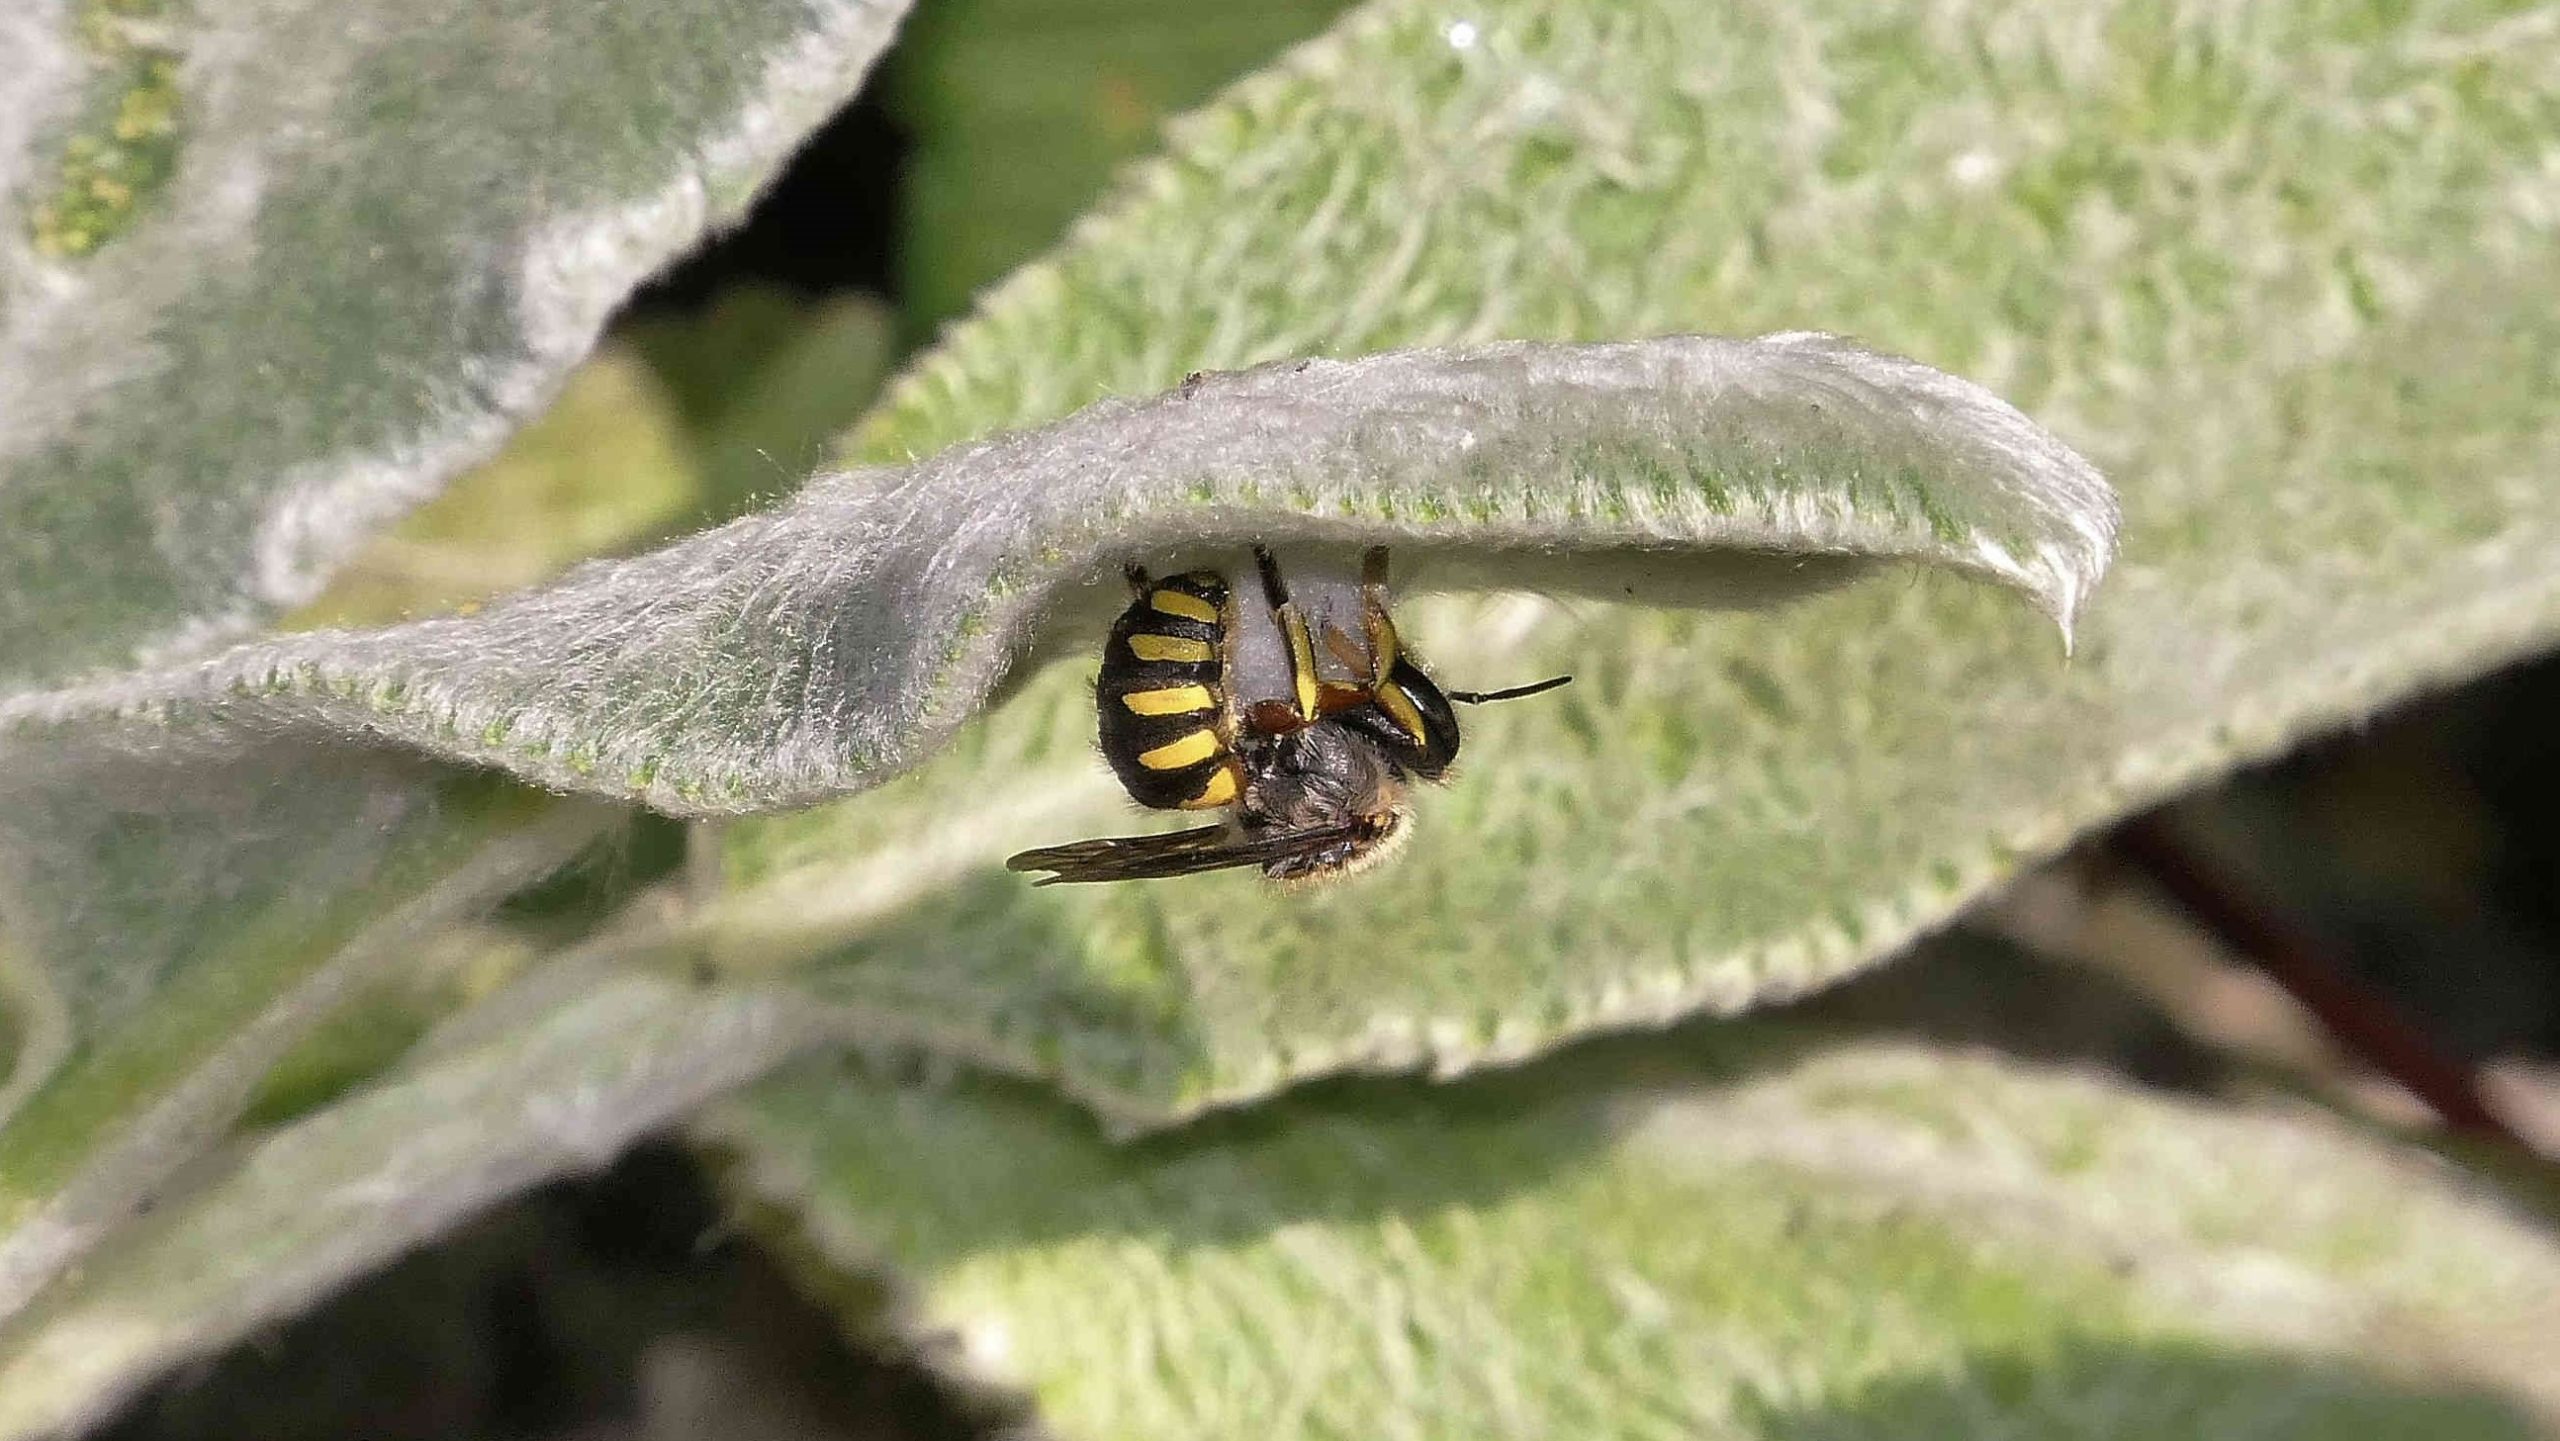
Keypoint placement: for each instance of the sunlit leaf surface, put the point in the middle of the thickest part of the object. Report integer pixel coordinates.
(271, 274)
(1755, 1235)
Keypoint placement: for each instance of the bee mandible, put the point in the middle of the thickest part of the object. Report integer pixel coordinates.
(1303, 717)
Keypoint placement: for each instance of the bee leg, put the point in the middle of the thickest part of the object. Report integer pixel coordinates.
(1275, 591)
(1353, 655)
(1383, 646)
(1293, 626)
(1139, 585)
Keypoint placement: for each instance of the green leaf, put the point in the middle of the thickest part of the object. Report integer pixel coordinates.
(186, 921)
(183, 968)
(608, 465)
(266, 279)
(766, 383)
(1896, 1242)
(2281, 272)
(809, 649)
(1019, 108)
(1753, 1233)
(526, 1087)
(674, 423)
(269, 276)
(2274, 276)
(819, 647)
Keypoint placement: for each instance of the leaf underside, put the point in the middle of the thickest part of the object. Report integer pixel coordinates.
(814, 649)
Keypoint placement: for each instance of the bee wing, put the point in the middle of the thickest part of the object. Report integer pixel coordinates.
(1173, 853)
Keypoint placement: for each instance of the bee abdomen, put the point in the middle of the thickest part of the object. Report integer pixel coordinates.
(1162, 696)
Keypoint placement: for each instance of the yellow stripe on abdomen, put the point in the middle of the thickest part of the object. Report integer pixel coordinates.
(1221, 790)
(1168, 647)
(1189, 607)
(1171, 700)
(1173, 755)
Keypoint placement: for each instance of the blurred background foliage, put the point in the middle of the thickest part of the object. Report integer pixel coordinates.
(2417, 859)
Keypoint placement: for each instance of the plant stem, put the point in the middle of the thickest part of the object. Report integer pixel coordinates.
(2368, 1022)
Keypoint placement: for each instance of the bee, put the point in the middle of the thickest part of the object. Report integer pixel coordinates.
(1302, 716)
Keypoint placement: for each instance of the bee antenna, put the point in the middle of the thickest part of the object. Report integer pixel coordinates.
(1483, 697)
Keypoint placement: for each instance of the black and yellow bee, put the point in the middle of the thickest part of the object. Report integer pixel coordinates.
(1304, 717)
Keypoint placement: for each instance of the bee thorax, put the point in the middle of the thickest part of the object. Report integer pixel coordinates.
(1318, 776)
